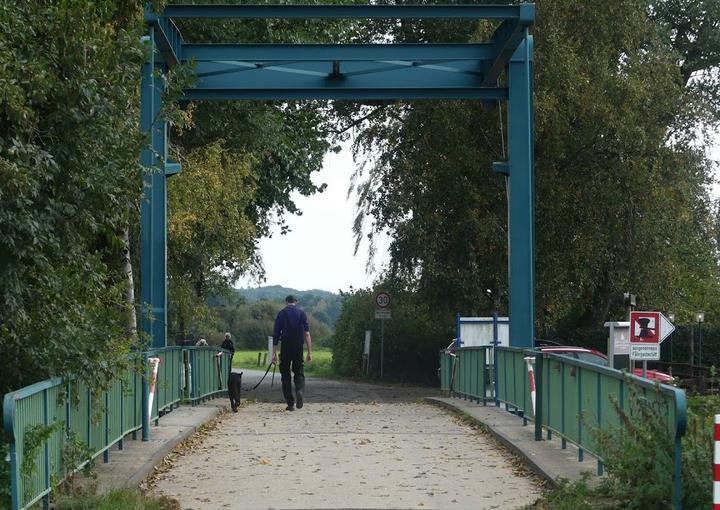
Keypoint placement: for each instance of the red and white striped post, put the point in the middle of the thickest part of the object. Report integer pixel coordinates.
(531, 380)
(716, 465)
(154, 364)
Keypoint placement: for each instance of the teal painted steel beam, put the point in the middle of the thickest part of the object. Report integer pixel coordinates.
(506, 40)
(350, 94)
(340, 52)
(172, 167)
(388, 79)
(14, 466)
(167, 36)
(344, 11)
(521, 196)
(153, 212)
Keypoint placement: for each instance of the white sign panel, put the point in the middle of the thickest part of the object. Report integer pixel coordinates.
(620, 337)
(366, 350)
(644, 351)
(476, 331)
(383, 314)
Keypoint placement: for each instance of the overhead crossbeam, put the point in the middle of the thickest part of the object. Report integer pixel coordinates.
(331, 71)
(345, 11)
(330, 52)
(340, 72)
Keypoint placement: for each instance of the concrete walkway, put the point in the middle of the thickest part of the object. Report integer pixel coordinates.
(353, 446)
(137, 460)
(546, 458)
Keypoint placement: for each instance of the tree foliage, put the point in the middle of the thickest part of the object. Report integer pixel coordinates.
(622, 96)
(69, 183)
(281, 145)
(410, 338)
(210, 236)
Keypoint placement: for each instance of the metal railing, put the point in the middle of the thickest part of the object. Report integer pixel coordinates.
(464, 373)
(209, 372)
(574, 397)
(43, 421)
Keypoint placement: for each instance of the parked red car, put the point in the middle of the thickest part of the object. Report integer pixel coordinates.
(598, 358)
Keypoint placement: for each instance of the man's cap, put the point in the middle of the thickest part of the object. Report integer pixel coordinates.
(291, 299)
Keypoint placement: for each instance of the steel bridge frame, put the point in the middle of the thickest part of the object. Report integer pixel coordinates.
(335, 71)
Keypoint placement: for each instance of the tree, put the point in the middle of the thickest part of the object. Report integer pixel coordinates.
(69, 185)
(411, 337)
(280, 144)
(621, 175)
(210, 236)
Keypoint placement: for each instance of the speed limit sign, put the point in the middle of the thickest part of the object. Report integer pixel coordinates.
(382, 299)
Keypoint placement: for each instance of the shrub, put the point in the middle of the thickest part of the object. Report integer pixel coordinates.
(119, 499)
(642, 444)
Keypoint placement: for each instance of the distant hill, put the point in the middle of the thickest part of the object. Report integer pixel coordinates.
(278, 293)
(324, 305)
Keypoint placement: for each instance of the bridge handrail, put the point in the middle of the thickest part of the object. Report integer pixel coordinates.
(67, 410)
(572, 394)
(464, 372)
(676, 425)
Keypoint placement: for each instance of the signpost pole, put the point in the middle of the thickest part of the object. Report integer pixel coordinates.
(382, 346)
(382, 312)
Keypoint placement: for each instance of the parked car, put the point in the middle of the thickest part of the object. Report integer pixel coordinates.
(598, 358)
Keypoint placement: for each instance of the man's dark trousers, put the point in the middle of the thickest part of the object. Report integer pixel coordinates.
(291, 359)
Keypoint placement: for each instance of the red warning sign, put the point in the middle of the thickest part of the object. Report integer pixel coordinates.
(645, 327)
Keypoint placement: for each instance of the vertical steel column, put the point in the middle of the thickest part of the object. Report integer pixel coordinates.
(522, 196)
(153, 214)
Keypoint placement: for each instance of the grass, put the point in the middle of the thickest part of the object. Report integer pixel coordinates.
(119, 499)
(320, 366)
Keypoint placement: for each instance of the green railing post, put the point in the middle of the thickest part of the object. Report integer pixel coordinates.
(14, 478)
(538, 396)
(680, 425)
(145, 418)
(106, 440)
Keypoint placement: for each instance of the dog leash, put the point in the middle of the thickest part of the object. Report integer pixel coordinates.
(272, 364)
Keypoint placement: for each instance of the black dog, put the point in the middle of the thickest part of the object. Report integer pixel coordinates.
(234, 387)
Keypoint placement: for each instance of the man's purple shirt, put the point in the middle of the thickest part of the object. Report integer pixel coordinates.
(291, 324)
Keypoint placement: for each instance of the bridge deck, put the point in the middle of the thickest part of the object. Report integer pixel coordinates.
(354, 445)
(351, 446)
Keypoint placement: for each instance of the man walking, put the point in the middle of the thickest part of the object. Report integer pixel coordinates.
(291, 331)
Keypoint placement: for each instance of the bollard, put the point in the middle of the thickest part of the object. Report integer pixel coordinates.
(264, 359)
(259, 354)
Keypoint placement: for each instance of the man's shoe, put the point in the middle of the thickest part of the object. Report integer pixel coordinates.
(299, 399)
(290, 407)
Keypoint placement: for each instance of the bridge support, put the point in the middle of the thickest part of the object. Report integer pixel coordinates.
(521, 202)
(153, 212)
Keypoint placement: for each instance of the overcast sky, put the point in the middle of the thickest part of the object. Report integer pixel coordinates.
(318, 252)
